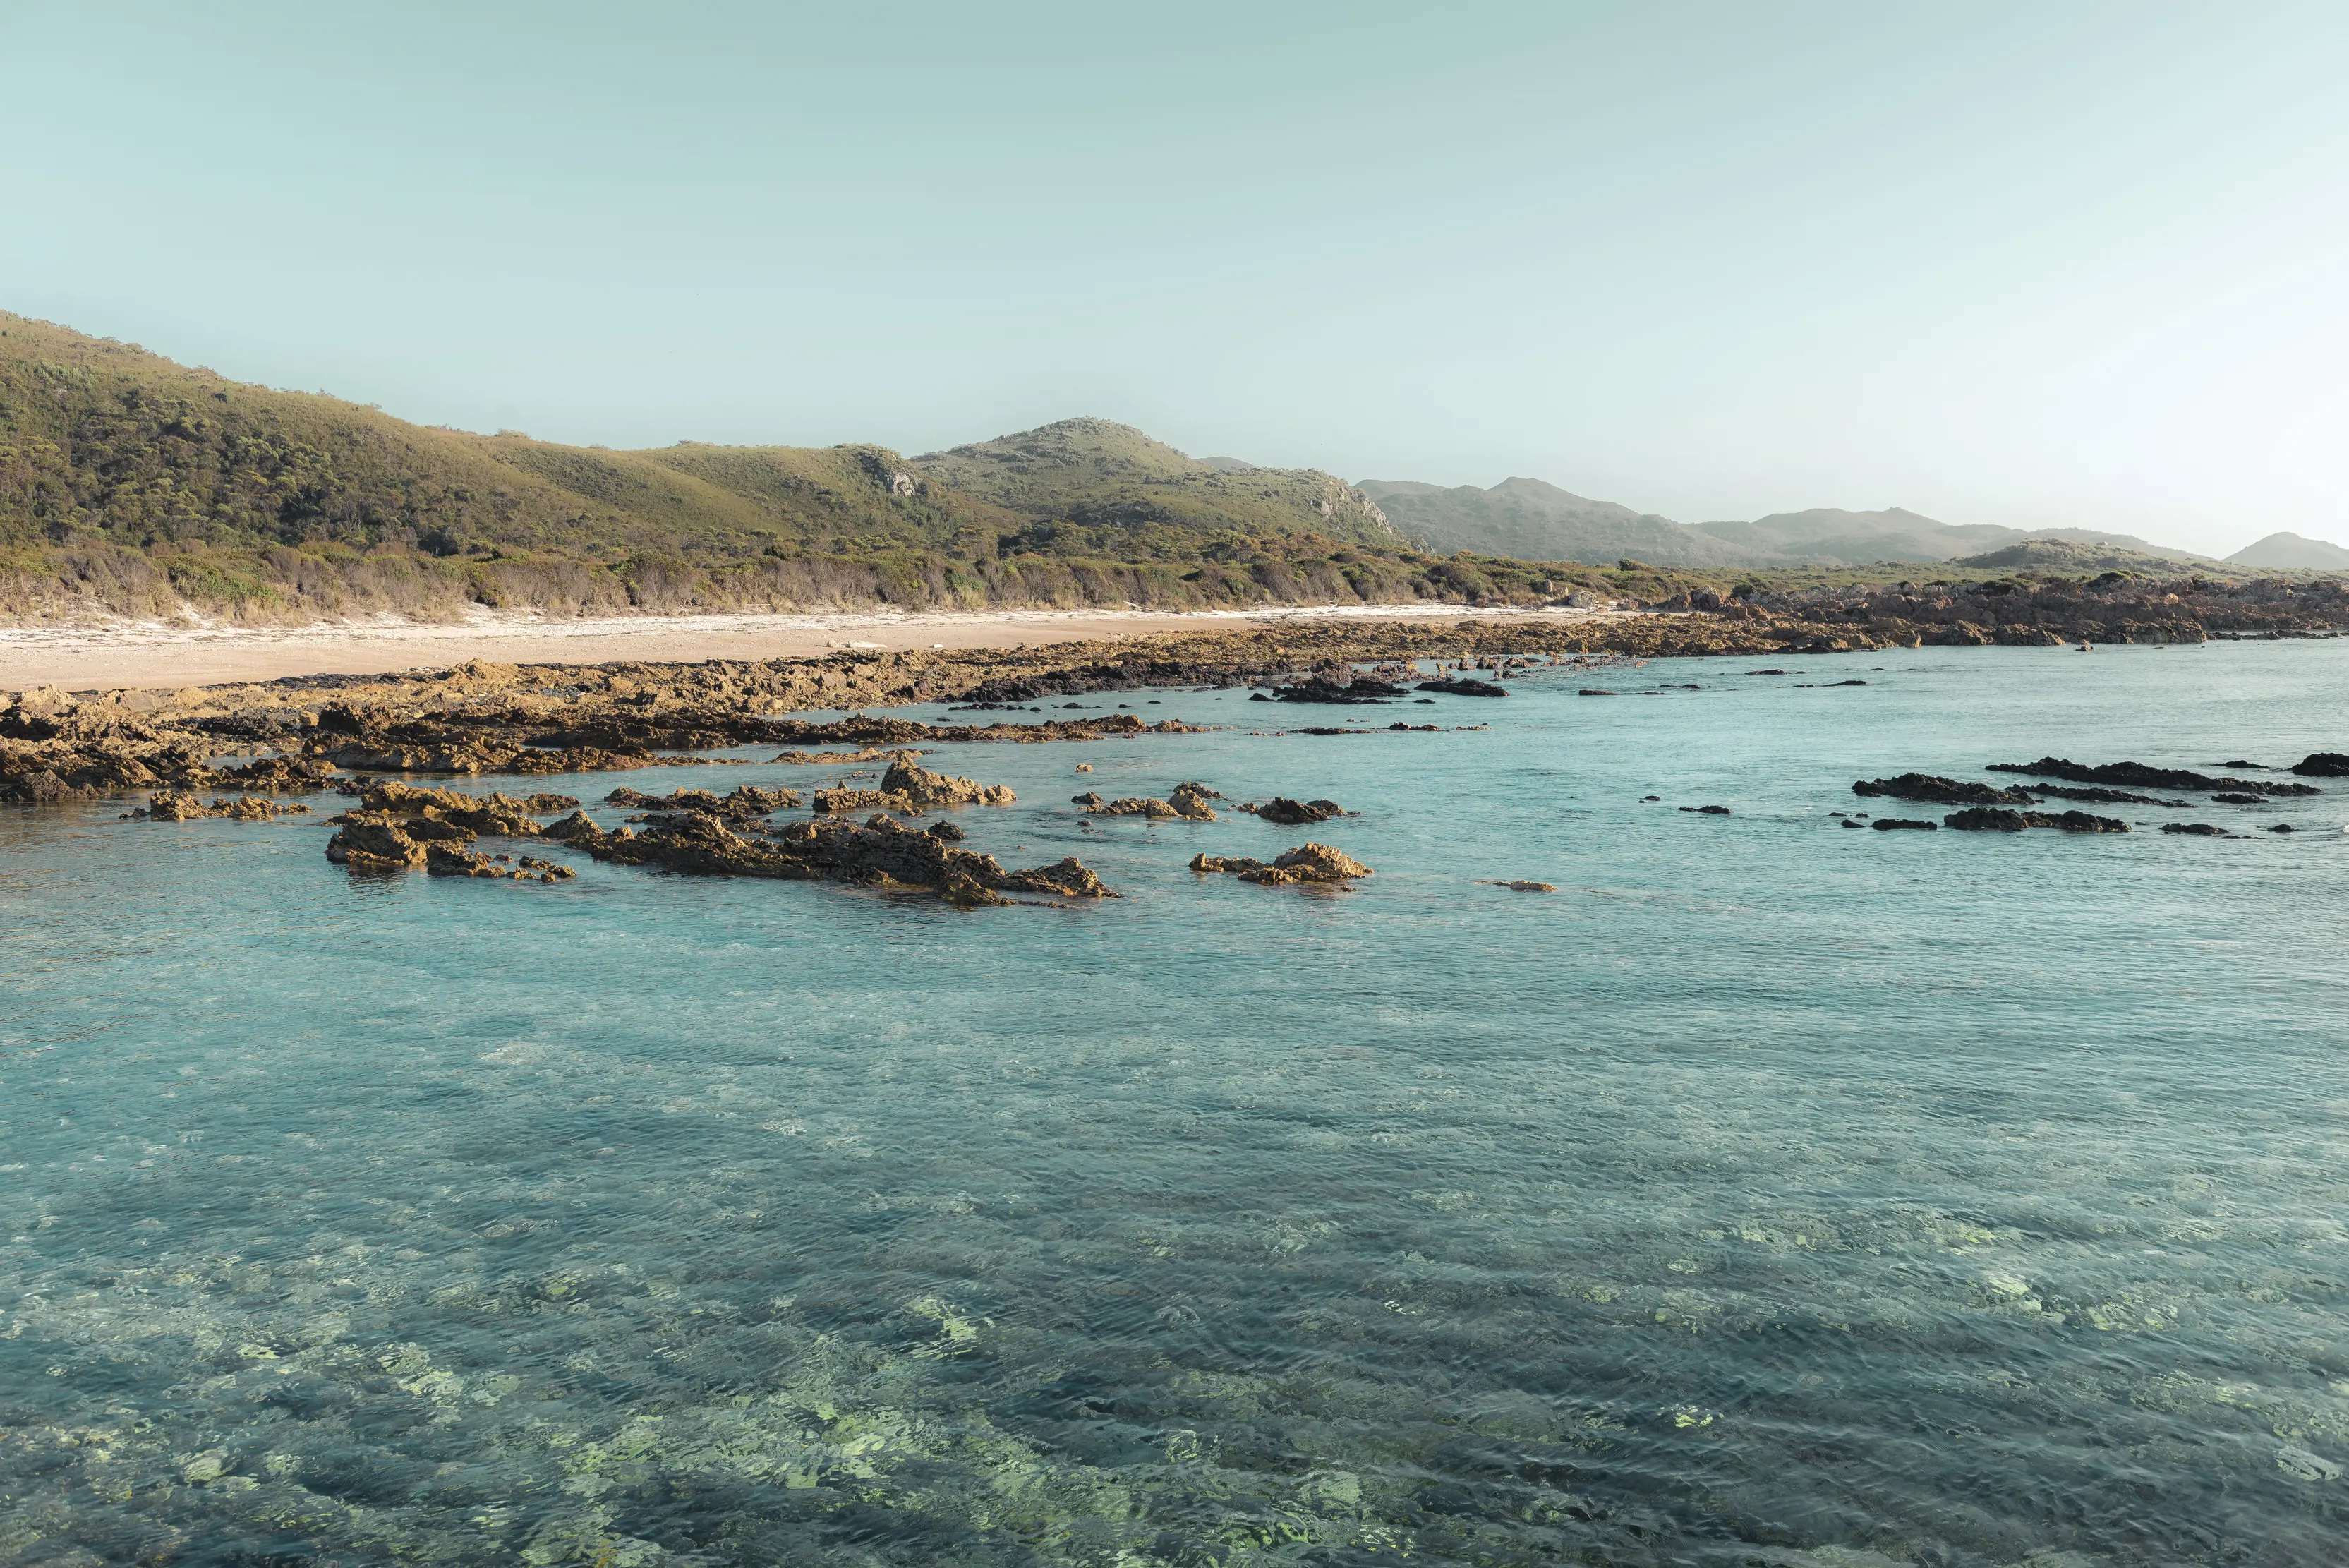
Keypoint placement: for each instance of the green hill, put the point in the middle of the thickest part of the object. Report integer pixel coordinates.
(1109, 487)
(131, 484)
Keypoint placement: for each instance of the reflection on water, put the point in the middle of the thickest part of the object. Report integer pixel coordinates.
(1769, 1194)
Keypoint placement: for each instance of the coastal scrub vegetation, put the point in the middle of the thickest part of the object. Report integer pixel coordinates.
(132, 485)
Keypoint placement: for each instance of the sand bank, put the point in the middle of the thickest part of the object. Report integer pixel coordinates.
(132, 655)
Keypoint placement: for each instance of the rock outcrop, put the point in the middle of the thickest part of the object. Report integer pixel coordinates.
(1306, 863)
(1288, 813)
(2145, 777)
(1462, 686)
(179, 805)
(927, 790)
(1324, 689)
(1187, 801)
(744, 803)
(439, 860)
(1940, 791)
(1992, 819)
(374, 844)
(881, 852)
(2323, 765)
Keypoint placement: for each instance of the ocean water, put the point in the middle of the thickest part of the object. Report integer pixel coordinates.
(1771, 1193)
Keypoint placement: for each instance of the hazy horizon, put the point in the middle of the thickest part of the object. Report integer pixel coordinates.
(2046, 269)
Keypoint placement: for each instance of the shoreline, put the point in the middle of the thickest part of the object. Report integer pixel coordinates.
(135, 656)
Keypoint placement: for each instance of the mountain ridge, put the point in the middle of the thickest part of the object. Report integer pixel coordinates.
(1535, 520)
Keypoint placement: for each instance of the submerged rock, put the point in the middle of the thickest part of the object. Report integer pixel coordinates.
(1519, 887)
(1891, 824)
(2198, 829)
(1463, 687)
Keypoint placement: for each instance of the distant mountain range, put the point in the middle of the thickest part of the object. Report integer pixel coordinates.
(2286, 552)
(1532, 520)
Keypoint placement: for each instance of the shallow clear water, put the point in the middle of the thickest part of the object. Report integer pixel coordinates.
(1771, 1193)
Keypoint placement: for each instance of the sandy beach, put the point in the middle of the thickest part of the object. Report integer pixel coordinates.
(129, 656)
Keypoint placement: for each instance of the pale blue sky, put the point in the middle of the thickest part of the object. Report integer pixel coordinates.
(2031, 264)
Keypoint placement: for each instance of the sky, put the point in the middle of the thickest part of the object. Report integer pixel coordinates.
(2040, 265)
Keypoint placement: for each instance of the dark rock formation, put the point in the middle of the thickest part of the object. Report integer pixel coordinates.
(1321, 689)
(879, 853)
(1941, 791)
(1463, 687)
(1892, 824)
(1519, 887)
(2098, 795)
(2145, 777)
(2198, 829)
(1288, 813)
(1992, 819)
(2323, 765)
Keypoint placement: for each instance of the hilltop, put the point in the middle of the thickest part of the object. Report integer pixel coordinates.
(1109, 488)
(2290, 552)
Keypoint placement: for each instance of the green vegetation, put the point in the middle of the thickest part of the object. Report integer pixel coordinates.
(129, 484)
(133, 485)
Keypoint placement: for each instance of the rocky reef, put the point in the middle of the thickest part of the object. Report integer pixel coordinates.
(880, 853)
(743, 802)
(1932, 787)
(2145, 777)
(1992, 819)
(909, 789)
(182, 806)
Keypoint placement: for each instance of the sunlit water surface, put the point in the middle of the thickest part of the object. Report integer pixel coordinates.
(1770, 1193)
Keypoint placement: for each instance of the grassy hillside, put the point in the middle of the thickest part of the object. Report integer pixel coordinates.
(1534, 520)
(1108, 488)
(131, 484)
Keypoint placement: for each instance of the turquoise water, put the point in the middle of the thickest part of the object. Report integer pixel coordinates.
(1771, 1193)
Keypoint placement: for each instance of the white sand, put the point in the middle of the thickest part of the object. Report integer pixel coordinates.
(126, 655)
